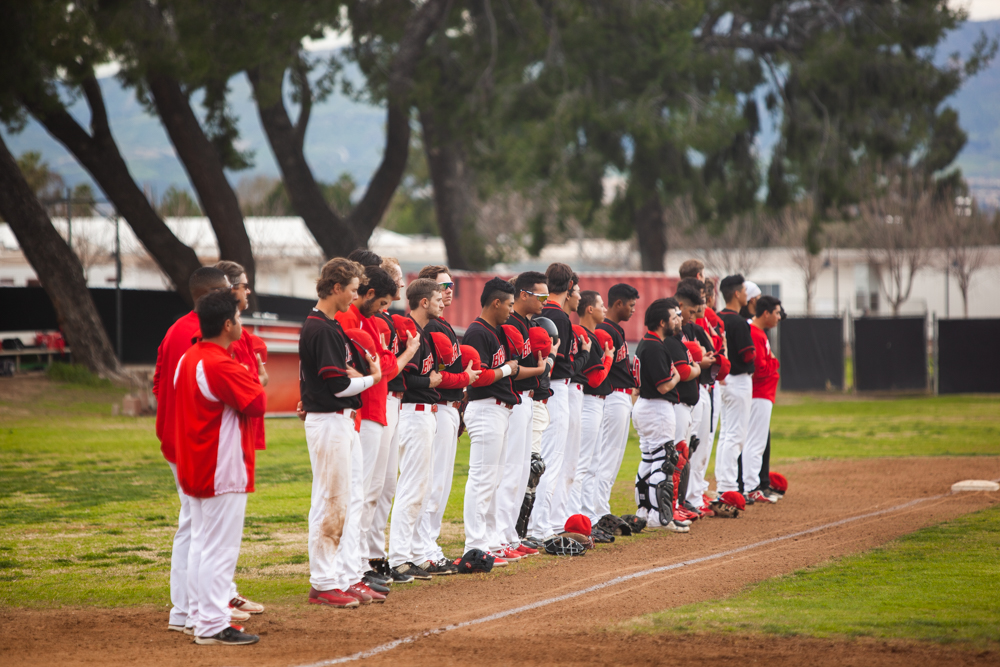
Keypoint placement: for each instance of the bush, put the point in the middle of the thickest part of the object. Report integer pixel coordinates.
(76, 374)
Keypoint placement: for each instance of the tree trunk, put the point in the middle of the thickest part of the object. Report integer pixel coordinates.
(204, 167)
(100, 156)
(450, 180)
(59, 270)
(651, 232)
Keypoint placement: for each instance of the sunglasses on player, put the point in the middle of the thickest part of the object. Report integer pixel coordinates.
(446, 286)
(541, 297)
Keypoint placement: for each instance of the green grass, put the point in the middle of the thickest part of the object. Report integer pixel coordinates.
(88, 506)
(939, 584)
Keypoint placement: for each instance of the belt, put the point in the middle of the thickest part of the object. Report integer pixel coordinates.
(397, 394)
(563, 380)
(451, 404)
(578, 386)
(350, 413)
(622, 390)
(509, 406)
(544, 401)
(419, 407)
(529, 392)
(597, 396)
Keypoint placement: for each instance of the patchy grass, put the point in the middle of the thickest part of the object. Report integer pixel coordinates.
(940, 584)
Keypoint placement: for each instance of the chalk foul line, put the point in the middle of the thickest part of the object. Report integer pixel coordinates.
(383, 648)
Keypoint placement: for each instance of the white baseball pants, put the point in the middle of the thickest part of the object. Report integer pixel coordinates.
(553, 447)
(487, 424)
(539, 422)
(516, 468)
(753, 453)
(442, 472)
(736, 394)
(559, 503)
(583, 493)
(614, 438)
(416, 453)
(682, 422)
(373, 459)
(702, 417)
(179, 558)
(216, 533)
(655, 422)
(385, 491)
(337, 501)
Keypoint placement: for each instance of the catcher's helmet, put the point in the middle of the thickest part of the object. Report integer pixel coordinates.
(548, 325)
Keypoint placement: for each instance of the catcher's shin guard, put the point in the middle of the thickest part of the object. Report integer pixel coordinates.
(665, 500)
(522, 520)
(682, 487)
(693, 445)
(642, 496)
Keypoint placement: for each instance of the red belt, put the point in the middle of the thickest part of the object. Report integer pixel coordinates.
(452, 404)
(397, 394)
(597, 396)
(509, 406)
(530, 393)
(623, 390)
(544, 401)
(353, 415)
(421, 407)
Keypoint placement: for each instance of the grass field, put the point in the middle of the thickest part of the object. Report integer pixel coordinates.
(940, 584)
(88, 507)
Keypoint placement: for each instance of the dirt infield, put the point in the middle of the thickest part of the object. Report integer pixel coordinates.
(578, 630)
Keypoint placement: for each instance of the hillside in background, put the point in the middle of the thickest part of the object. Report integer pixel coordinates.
(347, 136)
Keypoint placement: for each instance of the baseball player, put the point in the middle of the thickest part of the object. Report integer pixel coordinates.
(765, 384)
(178, 340)
(753, 293)
(330, 384)
(214, 398)
(544, 338)
(617, 387)
(383, 485)
(454, 379)
(654, 417)
(738, 388)
(591, 312)
(530, 292)
(487, 417)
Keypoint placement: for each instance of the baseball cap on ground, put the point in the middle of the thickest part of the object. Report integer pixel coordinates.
(734, 498)
(778, 482)
(540, 341)
(475, 560)
(578, 523)
(515, 338)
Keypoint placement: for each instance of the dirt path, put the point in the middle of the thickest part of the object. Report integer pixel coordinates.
(574, 630)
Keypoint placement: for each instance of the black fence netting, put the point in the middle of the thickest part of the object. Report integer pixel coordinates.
(812, 353)
(968, 356)
(146, 315)
(890, 353)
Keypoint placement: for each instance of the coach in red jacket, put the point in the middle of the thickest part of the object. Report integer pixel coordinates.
(765, 384)
(215, 399)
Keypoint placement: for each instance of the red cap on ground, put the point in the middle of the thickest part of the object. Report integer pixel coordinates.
(446, 351)
(515, 339)
(734, 498)
(778, 482)
(578, 523)
(540, 341)
(694, 349)
(469, 353)
(404, 325)
(604, 338)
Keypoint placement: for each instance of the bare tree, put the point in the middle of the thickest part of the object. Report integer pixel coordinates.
(896, 231)
(965, 234)
(736, 247)
(795, 224)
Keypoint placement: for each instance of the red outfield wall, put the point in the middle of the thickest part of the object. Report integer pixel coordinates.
(465, 307)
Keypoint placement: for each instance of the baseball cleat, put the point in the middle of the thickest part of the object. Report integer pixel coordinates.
(440, 567)
(758, 496)
(362, 587)
(674, 527)
(372, 575)
(412, 570)
(238, 614)
(376, 586)
(248, 606)
(508, 554)
(498, 559)
(401, 578)
(228, 637)
(748, 497)
(525, 550)
(176, 628)
(333, 598)
(358, 594)
(773, 497)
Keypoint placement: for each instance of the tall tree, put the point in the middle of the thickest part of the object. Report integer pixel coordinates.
(58, 269)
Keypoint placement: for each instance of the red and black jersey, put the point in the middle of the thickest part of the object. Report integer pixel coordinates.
(324, 357)
(594, 370)
(739, 341)
(651, 367)
(529, 359)
(620, 375)
(452, 387)
(494, 351)
(686, 391)
(418, 371)
(693, 331)
(567, 341)
(396, 346)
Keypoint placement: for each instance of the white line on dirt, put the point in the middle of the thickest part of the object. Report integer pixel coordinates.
(611, 582)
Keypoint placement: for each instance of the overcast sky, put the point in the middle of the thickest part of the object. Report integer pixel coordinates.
(980, 10)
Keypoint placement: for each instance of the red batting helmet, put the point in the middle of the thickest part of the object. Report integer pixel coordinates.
(446, 351)
(540, 340)
(695, 350)
(778, 482)
(469, 353)
(604, 338)
(515, 339)
(404, 327)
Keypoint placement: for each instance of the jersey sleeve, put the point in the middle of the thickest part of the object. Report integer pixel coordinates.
(234, 385)
(656, 364)
(595, 376)
(259, 347)
(740, 342)
(679, 356)
(328, 351)
(453, 380)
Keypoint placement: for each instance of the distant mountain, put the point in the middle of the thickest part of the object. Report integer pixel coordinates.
(345, 135)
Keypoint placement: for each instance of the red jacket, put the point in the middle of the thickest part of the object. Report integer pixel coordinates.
(215, 399)
(372, 399)
(245, 352)
(765, 374)
(179, 339)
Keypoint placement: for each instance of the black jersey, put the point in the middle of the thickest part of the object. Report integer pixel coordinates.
(595, 361)
(441, 326)
(494, 351)
(398, 383)
(418, 371)
(530, 358)
(325, 354)
(567, 341)
(694, 332)
(620, 375)
(739, 341)
(686, 391)
(652, 366)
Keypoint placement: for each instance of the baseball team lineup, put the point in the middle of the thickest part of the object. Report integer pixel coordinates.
(547, 406)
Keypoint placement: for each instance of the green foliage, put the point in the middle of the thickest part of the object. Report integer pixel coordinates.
(76, 374)
(178, 203)
(939, 584)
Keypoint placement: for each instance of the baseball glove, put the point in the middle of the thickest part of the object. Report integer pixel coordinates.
(635, 523)
(728, 505)
(614, 525)
(601, 537)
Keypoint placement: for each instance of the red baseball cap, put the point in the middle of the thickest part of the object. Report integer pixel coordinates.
(404, 327)
(734, 498)
(724, 367)
(446, 351)
(540, 340)
(694, 349)
(578, 523)
(515, 338)
(604, 338)
(778, 482)
(469, 353)
(580, 332)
